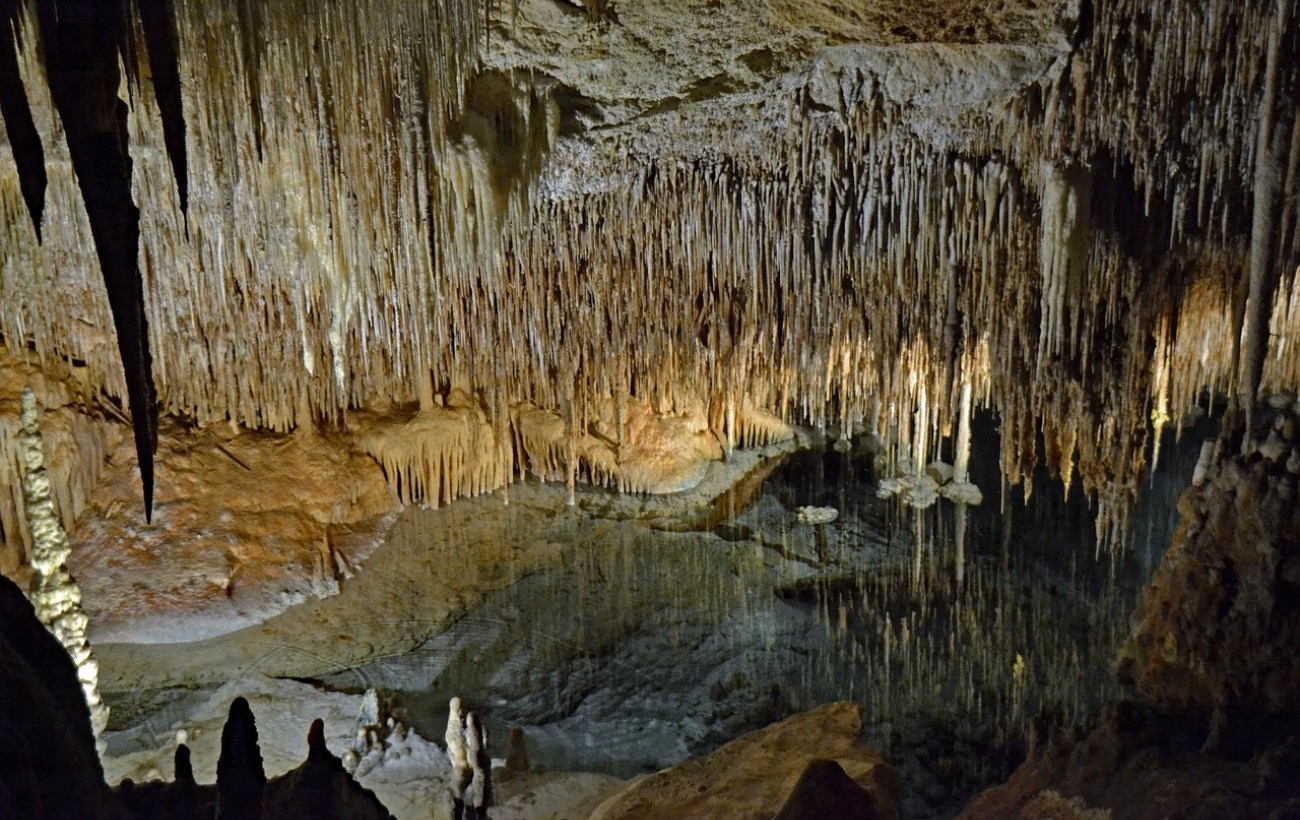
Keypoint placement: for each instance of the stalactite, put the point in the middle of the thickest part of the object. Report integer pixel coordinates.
(401, 220)
(158, 24)
(16, 117)
(81, 52)
(1270, 151)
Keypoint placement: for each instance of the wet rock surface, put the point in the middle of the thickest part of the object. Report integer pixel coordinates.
(245, 525)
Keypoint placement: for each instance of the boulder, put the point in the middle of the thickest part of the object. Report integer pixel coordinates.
(1138, 764)
(756, 775)
(1215, 633)
(825, 792)
(48, 764)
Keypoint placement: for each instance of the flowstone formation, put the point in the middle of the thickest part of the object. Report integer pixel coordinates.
(76, 445)
(875, 213)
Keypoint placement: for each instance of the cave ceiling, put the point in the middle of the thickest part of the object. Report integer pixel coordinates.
(837, 211)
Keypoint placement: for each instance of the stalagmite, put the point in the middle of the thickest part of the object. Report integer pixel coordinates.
(76, 446)
(55, 595)
(241, 777)
(478, 796)
(458, 753)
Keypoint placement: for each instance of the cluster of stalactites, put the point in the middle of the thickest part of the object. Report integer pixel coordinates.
(1066, 255)
(453, 446)
(301, 282)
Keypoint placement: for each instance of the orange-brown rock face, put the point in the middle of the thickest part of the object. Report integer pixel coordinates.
(247, 524)
(76, 443)
(753, 775)
(1219, 626)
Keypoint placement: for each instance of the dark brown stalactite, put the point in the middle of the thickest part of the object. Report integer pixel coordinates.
(83, 39)
(158, 19)
(25, 142)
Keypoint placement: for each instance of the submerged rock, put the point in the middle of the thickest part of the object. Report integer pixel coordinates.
(817, 515)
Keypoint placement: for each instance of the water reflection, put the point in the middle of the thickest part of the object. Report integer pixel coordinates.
(634, 647)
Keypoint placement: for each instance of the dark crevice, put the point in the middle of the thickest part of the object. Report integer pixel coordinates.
(82, 40)
(158, 20)
(24, 140)
(250, 28)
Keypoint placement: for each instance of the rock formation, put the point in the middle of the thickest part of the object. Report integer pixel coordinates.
(76, 444)
(615, 241)
(1139, 764)
(317, 790)
(1215, 633)
(471, 765)
(1216, 732)
(756, 774)
(462, 771)
(54, 593)
(825, 792)
(478, 795)
(837, 212)
(321, 788)
(241, 781)
(48, 764)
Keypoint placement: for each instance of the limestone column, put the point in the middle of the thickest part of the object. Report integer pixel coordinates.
(54, 593)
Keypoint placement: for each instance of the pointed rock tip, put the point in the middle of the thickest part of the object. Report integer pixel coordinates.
(316, 737)
(182, 766)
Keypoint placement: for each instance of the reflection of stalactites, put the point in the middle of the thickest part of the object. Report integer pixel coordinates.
(81, 60)
(158, 20)
(24, 140)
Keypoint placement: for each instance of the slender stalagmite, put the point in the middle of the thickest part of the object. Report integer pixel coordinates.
(55, 595)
